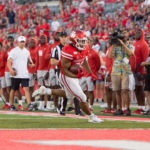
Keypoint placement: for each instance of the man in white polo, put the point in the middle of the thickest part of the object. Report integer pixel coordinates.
(18, 60)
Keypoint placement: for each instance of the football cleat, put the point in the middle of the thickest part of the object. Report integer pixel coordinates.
(40, 91)
(94, 119)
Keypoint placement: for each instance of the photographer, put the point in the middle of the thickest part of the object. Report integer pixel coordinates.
(121, 70)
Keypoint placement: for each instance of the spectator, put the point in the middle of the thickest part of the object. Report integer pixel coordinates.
(11, 16)
(83, 7)
(55, 24)
(45, 29)
(3, 22)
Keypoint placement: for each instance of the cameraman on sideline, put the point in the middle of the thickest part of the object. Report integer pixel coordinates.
(120, 71)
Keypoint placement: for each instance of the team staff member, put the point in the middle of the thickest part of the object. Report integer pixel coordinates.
(141, 54)
(42, 66)
(86, 82)
(33, 52)
(18, 60)
(9, 47)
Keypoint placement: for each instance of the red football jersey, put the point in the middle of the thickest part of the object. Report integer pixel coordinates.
(71, 53)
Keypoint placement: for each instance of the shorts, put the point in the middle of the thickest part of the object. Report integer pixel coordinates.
(100, 79)
(87, 84)
(72, 88)
(17, 81)
(31, 80)
(131, 82)
(138, 83)
(2, 82)
(147, 83)
(120, 82)
(40, 78)
(7, 79)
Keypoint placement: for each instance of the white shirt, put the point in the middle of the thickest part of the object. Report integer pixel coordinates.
(55, 25)
(20, 58)
(83, 6)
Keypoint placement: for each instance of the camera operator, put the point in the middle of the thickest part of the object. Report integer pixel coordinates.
(121, 70)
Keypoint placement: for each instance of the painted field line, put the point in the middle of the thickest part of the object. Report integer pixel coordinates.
(74, 116)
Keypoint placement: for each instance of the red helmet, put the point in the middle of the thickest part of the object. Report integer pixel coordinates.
(78, 39)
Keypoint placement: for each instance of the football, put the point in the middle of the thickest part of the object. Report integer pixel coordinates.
(74, 68)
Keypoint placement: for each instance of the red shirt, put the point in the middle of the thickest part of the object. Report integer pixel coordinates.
(71, 53)
(92, 21)
(2, 7)
(93, 61)
(45, 27)
(43, 57)
(2, 63)
(6, 56)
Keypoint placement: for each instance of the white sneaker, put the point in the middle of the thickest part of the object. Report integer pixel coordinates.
(94, 119)
(40, 91)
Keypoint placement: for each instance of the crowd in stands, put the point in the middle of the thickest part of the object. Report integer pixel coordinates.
(98, 18)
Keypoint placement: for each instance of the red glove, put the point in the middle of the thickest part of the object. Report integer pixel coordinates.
(80, 74)
(94, 77)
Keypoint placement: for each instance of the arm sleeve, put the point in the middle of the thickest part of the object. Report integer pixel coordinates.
(144, 52)
(11, 55)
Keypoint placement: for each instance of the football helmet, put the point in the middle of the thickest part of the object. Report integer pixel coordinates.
(79, 39)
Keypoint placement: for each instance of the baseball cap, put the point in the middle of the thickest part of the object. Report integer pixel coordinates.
(63, 34)
(21, 39)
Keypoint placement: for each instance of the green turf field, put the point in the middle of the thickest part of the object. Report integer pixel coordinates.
(26, 122)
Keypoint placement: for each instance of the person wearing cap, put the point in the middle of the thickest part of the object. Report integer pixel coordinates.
(18, 60)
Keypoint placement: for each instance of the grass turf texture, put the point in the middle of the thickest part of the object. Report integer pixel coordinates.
(35, 122)
(97, 110)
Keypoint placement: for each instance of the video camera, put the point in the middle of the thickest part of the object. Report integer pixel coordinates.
(115, 36)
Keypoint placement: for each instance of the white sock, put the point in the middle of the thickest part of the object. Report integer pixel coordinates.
(41, 105)
(48, 91)
(143, 107)
(139, 107)
(91, 115)
(33, 103)
(20, 102)
(48, 104)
